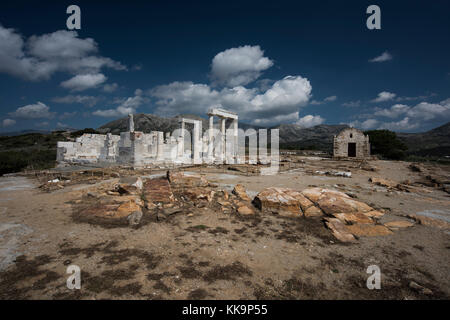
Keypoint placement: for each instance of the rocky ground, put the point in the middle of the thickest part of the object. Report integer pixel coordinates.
(309, 232)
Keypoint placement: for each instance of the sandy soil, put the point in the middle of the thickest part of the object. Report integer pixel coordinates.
(207, 254)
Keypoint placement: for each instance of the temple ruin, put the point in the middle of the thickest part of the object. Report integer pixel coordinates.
(137, 148)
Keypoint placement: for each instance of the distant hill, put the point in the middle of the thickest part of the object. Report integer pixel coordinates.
(435, 142)
(149, 122)
(19, 133)
(320, 137)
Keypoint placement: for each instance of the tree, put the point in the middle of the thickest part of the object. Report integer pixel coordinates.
(386, 144)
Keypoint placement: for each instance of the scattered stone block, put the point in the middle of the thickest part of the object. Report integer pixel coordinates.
(427, 221)
(399, 224)
(134, 218)
(351, 218)
(384, 182)
(313, 212)
(368, 230)
(338, 228)
(129, 185)
(245, 210)
(239, 191)
(278, 200)
(421, 289)
(331, 203)
(374, 214)
(314, 194)
(158, 190)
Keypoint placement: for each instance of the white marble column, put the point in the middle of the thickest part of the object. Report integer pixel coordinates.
(235, 140)
(130, 123)
(210, 139)
(160, 145)
(222, 130)
(197, 142)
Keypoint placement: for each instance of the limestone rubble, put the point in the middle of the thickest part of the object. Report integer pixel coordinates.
(134, 198)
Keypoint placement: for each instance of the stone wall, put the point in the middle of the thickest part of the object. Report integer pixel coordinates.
(133, 148)
(351, 135)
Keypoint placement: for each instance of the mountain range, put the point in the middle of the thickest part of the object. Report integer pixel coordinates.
(435, 142)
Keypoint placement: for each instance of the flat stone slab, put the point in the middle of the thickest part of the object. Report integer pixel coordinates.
(158, 190)
(399, 224)
(339, 230)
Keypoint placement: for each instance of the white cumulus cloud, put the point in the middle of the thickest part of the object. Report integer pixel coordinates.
(393, 112)
(402, 125)
(83, 82)
(284, 97)
(39, 57)
(384, 96)
(327, 99)
(310, 121)
(33, 111)
(239, 66)
(364, 125)
(385, 56)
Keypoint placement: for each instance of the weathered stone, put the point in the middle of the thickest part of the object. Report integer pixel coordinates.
(150, 205)
(122, 199)
(199, 194)
(181, 180)
(356, 217)
(339, 230)
(102, 211)
(278, 200)
(314, 194)
(417, 287)
(129, 185)
(170, 211)
(304, 202)
(384, 182)
(158, 190)
(224, 203)
(245, 210)
(330, 203)
(127, 208)
(135, 218)
(427, 221)
(368, 230)
(313, 212)
(399, 224)
(374, 214)
(239, 190)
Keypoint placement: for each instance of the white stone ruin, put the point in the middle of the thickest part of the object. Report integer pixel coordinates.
(136, 148)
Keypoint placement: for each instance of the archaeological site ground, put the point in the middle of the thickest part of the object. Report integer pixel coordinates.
(227, 232)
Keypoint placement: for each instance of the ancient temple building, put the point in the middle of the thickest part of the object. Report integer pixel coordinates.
(137, 148)
(351, 143)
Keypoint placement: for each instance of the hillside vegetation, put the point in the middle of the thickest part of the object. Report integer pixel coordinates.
(32, 150)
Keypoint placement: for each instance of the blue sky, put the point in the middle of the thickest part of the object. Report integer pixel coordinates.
(283, 62)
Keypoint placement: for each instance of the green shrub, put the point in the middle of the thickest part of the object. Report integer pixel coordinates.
(386, 144)
(15, 161)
